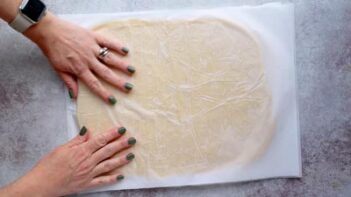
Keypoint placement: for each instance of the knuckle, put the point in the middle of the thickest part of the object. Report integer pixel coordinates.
(94, 84)
(82, 153)
(100, 37)
(95, 49)
(108, 166)
(110, 149)
(101, 141)
(85, 169)
(108, 58)
(80, 70)
(103, 181)
(115, 43)
(124, 144)
(119, 62)
(105, 72)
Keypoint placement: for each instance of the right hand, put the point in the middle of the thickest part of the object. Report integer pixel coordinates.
(83, 163)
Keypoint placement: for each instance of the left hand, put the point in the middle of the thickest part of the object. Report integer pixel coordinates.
(83, 163)
(74, 53)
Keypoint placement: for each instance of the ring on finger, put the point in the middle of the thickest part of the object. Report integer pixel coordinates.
(103, 52)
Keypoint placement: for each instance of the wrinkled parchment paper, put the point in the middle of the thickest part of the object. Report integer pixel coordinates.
(273, 26)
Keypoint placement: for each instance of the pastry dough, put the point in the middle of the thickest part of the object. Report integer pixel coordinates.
(201, 98)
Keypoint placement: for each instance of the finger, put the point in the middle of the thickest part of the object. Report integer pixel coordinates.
(111, 43)
(113, 148)
(71, 84)
(95, 86)
(79, 139)
(108, 75)
(105, 180)
(113, 163)
(104, 138)
(114, 61)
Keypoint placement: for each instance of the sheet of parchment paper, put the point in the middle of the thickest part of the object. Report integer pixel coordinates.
(273, 27)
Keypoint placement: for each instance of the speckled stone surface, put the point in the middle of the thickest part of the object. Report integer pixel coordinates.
(32, 118)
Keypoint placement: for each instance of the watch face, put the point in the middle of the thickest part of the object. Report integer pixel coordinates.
(34, 9)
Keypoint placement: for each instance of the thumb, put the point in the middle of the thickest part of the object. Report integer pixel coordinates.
(71, 84)
(82, 137)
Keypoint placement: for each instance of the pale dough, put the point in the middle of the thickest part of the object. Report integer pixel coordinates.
(200, 101)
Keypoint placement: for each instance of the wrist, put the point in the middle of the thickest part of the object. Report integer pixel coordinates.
(39, 30)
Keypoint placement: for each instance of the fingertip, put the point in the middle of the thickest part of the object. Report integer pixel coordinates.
(83, 131)
(120, 177)
(121, 130)
(70, 93)
(131, 141)
(125, 50)
(71, 84)
(80, 138)
(74, 90)
(130, 156)
(131, 69)
(112, 100)
(84, 134)
(128, 86)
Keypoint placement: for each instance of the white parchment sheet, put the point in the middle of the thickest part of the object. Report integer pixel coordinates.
(273, 25)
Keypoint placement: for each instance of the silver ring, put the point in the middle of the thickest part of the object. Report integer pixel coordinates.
(103, 52)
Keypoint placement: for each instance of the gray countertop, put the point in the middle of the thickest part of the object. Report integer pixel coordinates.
(32, 118)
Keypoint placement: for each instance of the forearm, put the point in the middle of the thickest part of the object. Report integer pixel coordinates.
(24, 186)
(8, 9)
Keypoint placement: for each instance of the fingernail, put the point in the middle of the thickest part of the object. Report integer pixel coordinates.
(131, 69)
(125, 50)
(70, 92)
(122, 130)
(130, 156)
(112, 100)
(120, 177)
(128, 86)
(83, 130)
(131, 141)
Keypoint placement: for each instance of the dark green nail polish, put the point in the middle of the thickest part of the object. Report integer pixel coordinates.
(130, 156)
(125, 50)
(70, 92)
(122, 130)
(83, 130)
(120, 177)
(128, 86)
(131, 141)
(112, 100)
(131, 69)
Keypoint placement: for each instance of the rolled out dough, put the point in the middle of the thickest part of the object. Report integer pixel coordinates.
(200, 101)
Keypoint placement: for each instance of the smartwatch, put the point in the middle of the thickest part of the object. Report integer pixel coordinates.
(29, 13)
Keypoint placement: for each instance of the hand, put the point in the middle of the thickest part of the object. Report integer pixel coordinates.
(80, 164)
(73, 52)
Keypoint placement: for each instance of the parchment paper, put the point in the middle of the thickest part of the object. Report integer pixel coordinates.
(273, 25)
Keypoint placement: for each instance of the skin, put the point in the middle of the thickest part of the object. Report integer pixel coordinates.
(83, 162)
(74, 55)
(73, 52)
(80, 164)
